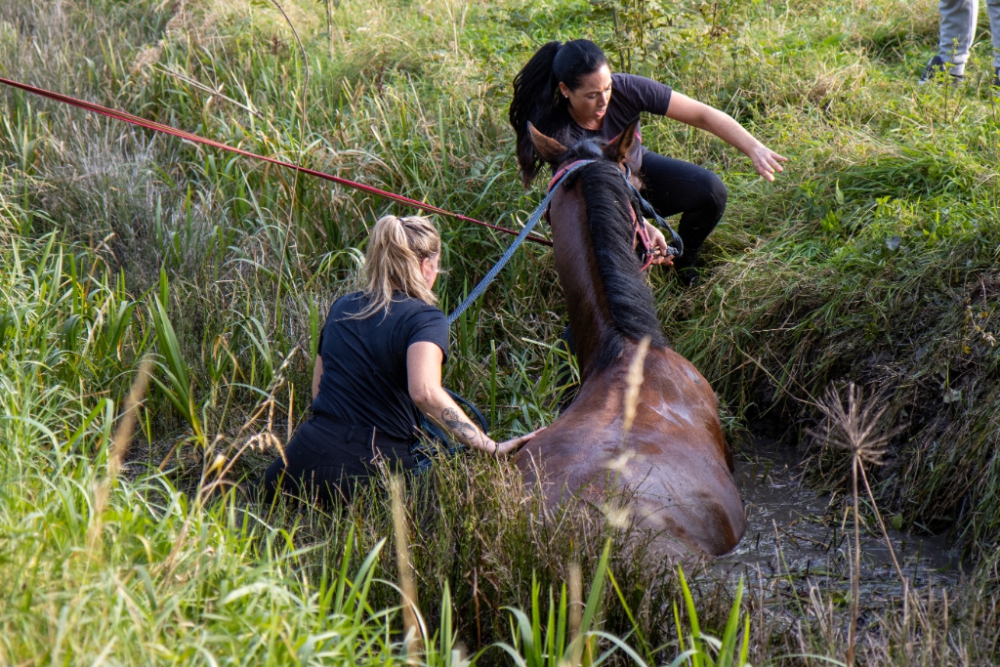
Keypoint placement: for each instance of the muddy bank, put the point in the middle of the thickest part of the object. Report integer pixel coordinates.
(805, 538)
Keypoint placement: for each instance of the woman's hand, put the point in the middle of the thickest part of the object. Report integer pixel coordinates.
(766, 161)
(511, 446)
(423, 369)
(658, 245)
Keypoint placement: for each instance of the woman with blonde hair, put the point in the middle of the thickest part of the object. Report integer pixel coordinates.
(378, 368)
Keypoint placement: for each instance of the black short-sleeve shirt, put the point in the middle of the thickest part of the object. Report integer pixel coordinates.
(364, 380)
(630, 96)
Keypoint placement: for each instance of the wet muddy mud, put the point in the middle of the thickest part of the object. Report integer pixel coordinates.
(804, 539)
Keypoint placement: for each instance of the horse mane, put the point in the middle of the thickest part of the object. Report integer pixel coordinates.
(608, 203)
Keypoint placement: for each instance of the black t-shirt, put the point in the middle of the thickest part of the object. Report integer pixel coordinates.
(364, 379)
(630, 96)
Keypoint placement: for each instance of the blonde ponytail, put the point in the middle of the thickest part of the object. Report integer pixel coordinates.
(396, 246)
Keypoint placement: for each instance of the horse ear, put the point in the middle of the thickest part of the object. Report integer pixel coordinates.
(619, 148)
(550, 149)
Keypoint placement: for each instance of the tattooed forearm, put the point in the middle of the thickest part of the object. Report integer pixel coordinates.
(453, 419)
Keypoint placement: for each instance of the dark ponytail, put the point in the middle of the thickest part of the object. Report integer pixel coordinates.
(536, 96)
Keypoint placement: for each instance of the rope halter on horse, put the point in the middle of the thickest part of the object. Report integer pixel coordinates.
(644, 208)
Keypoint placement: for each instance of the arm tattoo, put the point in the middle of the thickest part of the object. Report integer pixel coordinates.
(452, 418)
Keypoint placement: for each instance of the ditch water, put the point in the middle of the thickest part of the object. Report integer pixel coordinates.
(802, 537)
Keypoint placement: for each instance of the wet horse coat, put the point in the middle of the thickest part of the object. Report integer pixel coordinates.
(675, 459)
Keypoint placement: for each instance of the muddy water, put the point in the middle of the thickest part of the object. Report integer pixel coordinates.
(802, 536)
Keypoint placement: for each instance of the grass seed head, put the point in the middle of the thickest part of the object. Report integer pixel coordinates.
(633, 382)
(853, 425)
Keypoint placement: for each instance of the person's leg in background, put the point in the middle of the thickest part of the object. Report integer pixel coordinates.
(675, 186)
(993, 9)
(958, 28)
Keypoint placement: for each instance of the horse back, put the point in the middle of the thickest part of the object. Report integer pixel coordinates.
(675, 459)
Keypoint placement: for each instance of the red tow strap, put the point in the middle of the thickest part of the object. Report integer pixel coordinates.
(166, 129)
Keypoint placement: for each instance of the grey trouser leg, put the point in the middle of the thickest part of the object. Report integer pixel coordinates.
(958, 27)
(993, 9)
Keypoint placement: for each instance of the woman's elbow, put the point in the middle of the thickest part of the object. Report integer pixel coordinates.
(423, 396)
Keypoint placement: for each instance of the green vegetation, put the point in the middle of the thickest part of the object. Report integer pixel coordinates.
(873, 259)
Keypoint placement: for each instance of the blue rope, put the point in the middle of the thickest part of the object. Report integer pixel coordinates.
(478, 290)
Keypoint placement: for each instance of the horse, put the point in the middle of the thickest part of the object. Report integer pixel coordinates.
(674, 461)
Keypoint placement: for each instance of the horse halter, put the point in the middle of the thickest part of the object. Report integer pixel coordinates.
(639, 213)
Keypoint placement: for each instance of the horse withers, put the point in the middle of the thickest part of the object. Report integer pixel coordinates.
(674, 461)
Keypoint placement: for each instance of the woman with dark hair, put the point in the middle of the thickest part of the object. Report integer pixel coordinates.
(378, 368)
(565, 90)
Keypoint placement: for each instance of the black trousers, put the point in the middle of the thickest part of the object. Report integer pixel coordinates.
(675, 186)
(327, 460)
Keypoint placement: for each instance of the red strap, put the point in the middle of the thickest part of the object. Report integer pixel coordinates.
(639, 231)
(562, 172)
(166, 129)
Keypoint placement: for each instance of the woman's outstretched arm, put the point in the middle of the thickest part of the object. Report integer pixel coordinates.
(423, 370)
(722, 125)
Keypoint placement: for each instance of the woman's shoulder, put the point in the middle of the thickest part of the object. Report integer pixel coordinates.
(633, 83)
(418, 321)
(623, 78)
(410, 306)
(345, 308)
(643, 93)
(349, 300)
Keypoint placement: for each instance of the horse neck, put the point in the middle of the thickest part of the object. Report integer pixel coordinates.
(576, 265)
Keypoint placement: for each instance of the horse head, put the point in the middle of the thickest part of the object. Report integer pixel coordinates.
(674, 455)
(620, 150)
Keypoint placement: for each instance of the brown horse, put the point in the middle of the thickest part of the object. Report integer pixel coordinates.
(675, 459)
